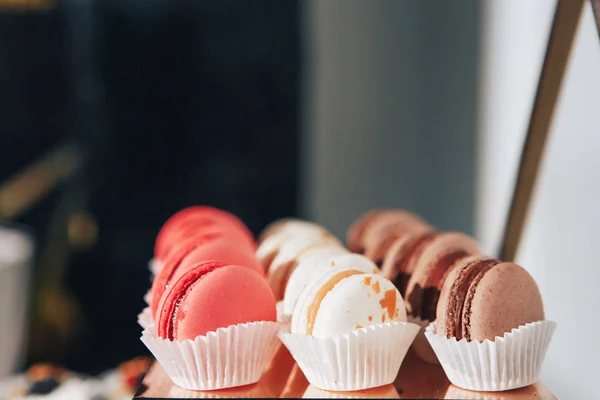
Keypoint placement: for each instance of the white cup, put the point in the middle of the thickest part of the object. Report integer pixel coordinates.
(16, 255)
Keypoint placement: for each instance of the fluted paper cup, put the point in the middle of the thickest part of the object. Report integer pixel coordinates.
(421, 345)
(146, 321)
(230, 357)
(362, 359)
(281, 316)
(148, 297)
(154, 266)
(506, 363)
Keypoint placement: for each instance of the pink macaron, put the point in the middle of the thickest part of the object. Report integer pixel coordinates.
(214, 295)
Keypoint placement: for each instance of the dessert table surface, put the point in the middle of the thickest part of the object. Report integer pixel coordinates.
(283, 379)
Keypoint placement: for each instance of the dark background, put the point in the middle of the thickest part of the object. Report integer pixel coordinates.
(172, 104)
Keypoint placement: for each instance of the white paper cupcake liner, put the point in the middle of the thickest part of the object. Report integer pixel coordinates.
(154, 266)
(508, 362)
(145, 320)
(421, 345)
(281, 316)
(230, 357)
(148, 297)
(364, 358)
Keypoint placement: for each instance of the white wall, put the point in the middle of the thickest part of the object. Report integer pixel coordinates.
(558, 245)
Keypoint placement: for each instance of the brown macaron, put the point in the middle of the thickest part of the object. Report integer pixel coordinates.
(429, 269)
(483, 298)
(355, 233)
(400, 259)
(381, 233)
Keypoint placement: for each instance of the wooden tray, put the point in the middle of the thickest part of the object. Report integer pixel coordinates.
(283, 379)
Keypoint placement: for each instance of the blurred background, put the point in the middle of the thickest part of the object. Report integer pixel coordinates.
(114, 114)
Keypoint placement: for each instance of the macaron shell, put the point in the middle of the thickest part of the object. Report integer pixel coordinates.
(285, 260)
(232, 232)
(447, 299)
(174, 221)
(306, 298)
(219, 230)
(402, 257)
(356, 230)
(219, 250)
(227, 296)
(321, 249)
(429, 271)
(296, 244)
(313, 268)
(505, 298)
(269, 247)
(199, 215)
(171, 297)
(310, 292)
(171, 263)
(380, 234)
(356, 302)
(284, 224)
(396, 253)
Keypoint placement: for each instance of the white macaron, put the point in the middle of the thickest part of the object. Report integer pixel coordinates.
(312, 268)
(286, 257)
(270, 246)
(285, 224)
(343, 300)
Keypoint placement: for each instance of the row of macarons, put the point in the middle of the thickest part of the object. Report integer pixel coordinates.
(336, 296)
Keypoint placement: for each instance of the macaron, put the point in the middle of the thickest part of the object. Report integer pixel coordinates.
(287, 258)
(423, 288)
(483, 298)
(322, 249)
(206, 247)
(355, 232)
(343, 300)
(213, 295)
(385, 230)
(218, 250)
(369, 233)
(232, 232)
(284, 224)
(269, 247)
(400, 259)
(194, 217)
(313, 267)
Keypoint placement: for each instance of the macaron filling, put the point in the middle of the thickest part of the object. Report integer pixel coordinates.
(462, 289)
(383, 248)
(313, 309)
(424, 300)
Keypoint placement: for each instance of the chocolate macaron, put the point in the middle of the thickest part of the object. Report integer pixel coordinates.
(483, 298)
(400, 259)
(373, 233)
(429, 268)
(385, 229)
(356, 231)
